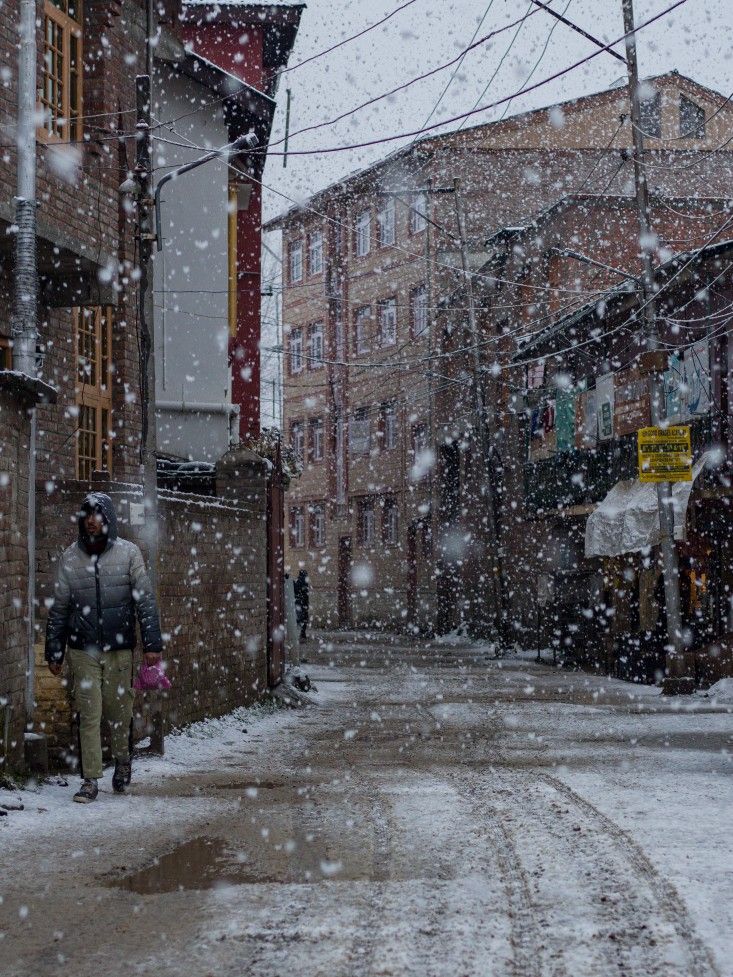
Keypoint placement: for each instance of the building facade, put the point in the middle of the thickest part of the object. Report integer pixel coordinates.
(375, 393)
(78, 423)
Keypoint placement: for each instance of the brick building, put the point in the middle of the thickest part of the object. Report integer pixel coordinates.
(88, 349)
(563, 420)
(372, 377)
(577, 485)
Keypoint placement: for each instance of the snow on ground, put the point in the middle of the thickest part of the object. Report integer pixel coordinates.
(202, 746)
(450, 815)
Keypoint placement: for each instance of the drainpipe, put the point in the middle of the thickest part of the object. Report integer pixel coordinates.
(24, 330)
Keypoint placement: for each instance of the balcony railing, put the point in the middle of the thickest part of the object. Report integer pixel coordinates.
(581, 477)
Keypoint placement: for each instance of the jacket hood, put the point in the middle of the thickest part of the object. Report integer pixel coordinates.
(98, 500)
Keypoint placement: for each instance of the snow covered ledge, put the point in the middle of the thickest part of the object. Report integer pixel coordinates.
(29, 389)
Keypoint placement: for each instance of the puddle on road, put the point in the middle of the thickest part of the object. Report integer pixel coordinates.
(268, 850)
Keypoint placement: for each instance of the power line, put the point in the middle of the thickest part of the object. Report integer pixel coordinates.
(462, 58)
(464, 115)
(504, 56)
(348, 40)
(411, 81)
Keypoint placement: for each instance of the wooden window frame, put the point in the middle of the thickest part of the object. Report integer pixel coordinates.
(292, 248)
(418, 218)
(316, 509)
(390, 507)
(313, 331)
(361, 316)
(93, 389)
(295, 512)
(382, 306)
(389, 410)
(315, 424)
(67, 79)
(363, 230)
(360, 414)
(415, 293)
(312, 268)
(299, 426)
(297, 332)
(387, 218)
(367, 504)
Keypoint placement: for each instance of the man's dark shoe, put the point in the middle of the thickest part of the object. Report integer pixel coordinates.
(122, 776)
(87, 792)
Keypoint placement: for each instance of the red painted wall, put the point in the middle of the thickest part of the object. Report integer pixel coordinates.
(244, 348)
(238, 50)
(235, 49)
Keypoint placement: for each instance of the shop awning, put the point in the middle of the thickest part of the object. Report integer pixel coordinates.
(627, 520)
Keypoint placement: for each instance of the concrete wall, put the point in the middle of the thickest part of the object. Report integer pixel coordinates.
(191, 325)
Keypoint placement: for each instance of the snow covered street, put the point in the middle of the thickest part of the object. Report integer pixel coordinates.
(436, 814)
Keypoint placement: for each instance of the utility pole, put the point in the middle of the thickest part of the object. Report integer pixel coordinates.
(24, 330)
(146, 312)
(670, 568)
(25, 297)
(487, 486)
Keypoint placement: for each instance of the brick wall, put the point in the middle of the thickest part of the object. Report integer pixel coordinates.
(14, 438)
(212, 597)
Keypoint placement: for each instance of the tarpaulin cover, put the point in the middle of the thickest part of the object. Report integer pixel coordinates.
(627, 520)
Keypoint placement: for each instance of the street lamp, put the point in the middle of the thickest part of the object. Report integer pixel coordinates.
(247, 141)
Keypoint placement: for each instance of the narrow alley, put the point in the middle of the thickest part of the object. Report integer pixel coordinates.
(434, 812)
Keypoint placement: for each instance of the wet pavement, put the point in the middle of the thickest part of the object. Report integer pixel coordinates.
(436, 813)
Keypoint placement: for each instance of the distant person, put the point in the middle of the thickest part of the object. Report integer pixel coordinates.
(101, 586)
(302, 604)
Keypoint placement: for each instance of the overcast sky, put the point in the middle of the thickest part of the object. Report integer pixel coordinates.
(696, 39)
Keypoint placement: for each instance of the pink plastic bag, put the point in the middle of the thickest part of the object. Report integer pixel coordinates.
(151, 678)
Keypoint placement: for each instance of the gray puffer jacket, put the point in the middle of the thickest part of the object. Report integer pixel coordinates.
(96, 599)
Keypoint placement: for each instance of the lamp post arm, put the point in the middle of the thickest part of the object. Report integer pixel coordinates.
(247, 141)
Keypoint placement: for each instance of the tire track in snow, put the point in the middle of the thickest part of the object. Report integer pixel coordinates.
(524, 919)
(701, 962)
(595, 900)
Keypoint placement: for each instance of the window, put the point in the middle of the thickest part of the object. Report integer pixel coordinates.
(315, 437)
(93, 331)
(386, 223)
(419, 311)
(361, 326)
(296, 350)
(651, 116)
(419, 438)
(389, 425)
(60, 90)
(297, 440)
(318, 524)
(363, 233)
(360, 432)
(296, 261)
(692, 119)
(366, 521)
(388, 322)
(418, 213)
(315, 253)
(297, 526)
(315, 346)
(390, 522)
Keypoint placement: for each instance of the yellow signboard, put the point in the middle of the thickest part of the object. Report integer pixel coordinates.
(665, 454)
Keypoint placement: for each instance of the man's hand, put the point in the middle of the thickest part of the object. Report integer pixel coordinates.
(55, 667)
(151, 658)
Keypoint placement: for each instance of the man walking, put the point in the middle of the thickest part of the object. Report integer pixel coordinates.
(302, 603)
(101, 586)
